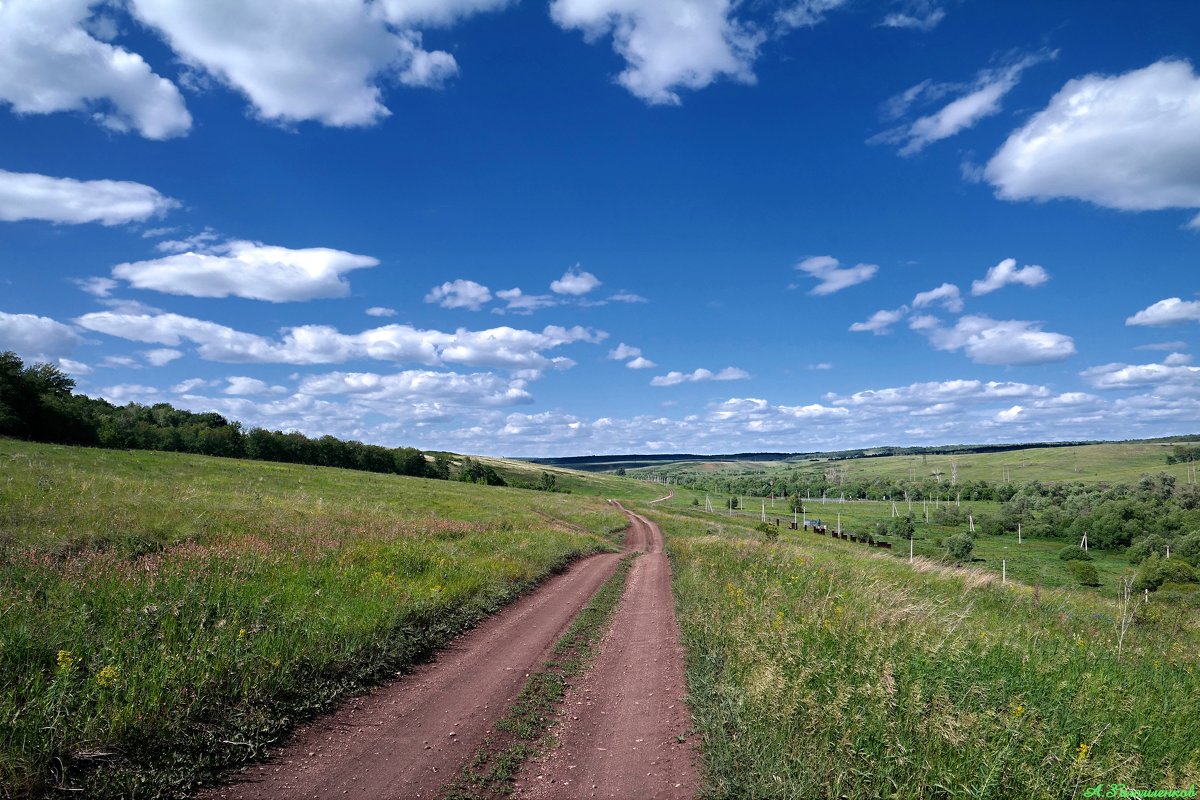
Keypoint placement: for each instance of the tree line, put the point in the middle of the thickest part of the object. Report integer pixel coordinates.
(38, 402)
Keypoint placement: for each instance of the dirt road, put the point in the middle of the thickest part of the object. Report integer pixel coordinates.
(409, 738)
(623, 725)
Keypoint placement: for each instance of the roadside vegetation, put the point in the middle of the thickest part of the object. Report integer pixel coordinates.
(163, 615)
(821, 668)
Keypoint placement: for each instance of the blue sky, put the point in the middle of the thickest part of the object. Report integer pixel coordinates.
(598, 226)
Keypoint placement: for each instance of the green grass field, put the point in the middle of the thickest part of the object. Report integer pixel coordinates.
(1112, 463)
(164, 615)
(819, 668)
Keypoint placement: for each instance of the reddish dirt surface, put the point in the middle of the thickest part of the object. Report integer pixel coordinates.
(409, 738)
(621, 724)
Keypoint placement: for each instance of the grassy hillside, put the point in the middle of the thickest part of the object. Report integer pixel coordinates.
(819, 668)
(163, 615)
(1112, 463)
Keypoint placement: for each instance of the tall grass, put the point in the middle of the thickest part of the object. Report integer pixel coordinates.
(165, 615)
(817, 669)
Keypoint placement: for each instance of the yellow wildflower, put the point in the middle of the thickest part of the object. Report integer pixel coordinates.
(108, 676)
(1018, 712)
(65, 659)
(1081, 754)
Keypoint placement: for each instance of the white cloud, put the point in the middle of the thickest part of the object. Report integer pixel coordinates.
(575, 282)
(824, 365)
(832, 277)
(74, 367)
(1175, 345)
(97, 287)
(1006, 273)
(641, 363)
(628, 297)
(1177, 359)
(502, 347)
(1130, 142)
(415, 13)
(806, 13)
(520, 303)
(35, 338)
(947, 296)
(190, 385)
(248, 269)
(667, 46)
(476, 389)
(1171, 311)
(918, 395)
(243, 385)
(28, 196)
(1010, 414)
(980, 101)
(1008, 342)
(49, 62)
(460, 294)
(124, 393)
(880, 322)
(199, 242)
(623, 351)
(161, 356)
(1126, 376)
(673, 378)
(381, 311)
(325, 62)
(921, 16)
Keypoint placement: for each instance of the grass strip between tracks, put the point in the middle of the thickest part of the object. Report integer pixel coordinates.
(523, 732)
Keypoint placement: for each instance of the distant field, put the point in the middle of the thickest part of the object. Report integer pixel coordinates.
(819, 668)
(1085, 463)
(162, 615)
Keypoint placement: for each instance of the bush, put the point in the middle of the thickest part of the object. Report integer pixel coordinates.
(1084, 573)
(1188, 548)
(769, 531)
(1073, 553)
(960, 547)
(1146, 545)
(1156, 570)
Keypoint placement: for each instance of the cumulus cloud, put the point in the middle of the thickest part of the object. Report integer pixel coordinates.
(832, 277)
(641, 362)
(575, 282)
(483, 389)
(1006, 273)
(381, 311)
(49, 62)
(623, 351)
(947, 296)
(517, 302)
(1127, 376)
(243, 385)
(1010, 414)
(161, 356)
(248, 269)
(1129, 142)
(460, 294)
(673, 378)
(503, 347)
(667, 46)
(326, 64)
(1007, 342)
(1171, 311)
(35, 338)
(975, 101)
(918, 395)
(28, 196)
(880, 322)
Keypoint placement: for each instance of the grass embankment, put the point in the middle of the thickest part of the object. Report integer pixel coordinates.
(818, 669)
(165, 615)
(524, 730)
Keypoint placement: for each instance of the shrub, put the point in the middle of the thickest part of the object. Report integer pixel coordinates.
(1188, 548)
(1156, 570)
(1146, 545)
(1084, 573)
(960, 546)
(769, 531)
(1073, 553)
